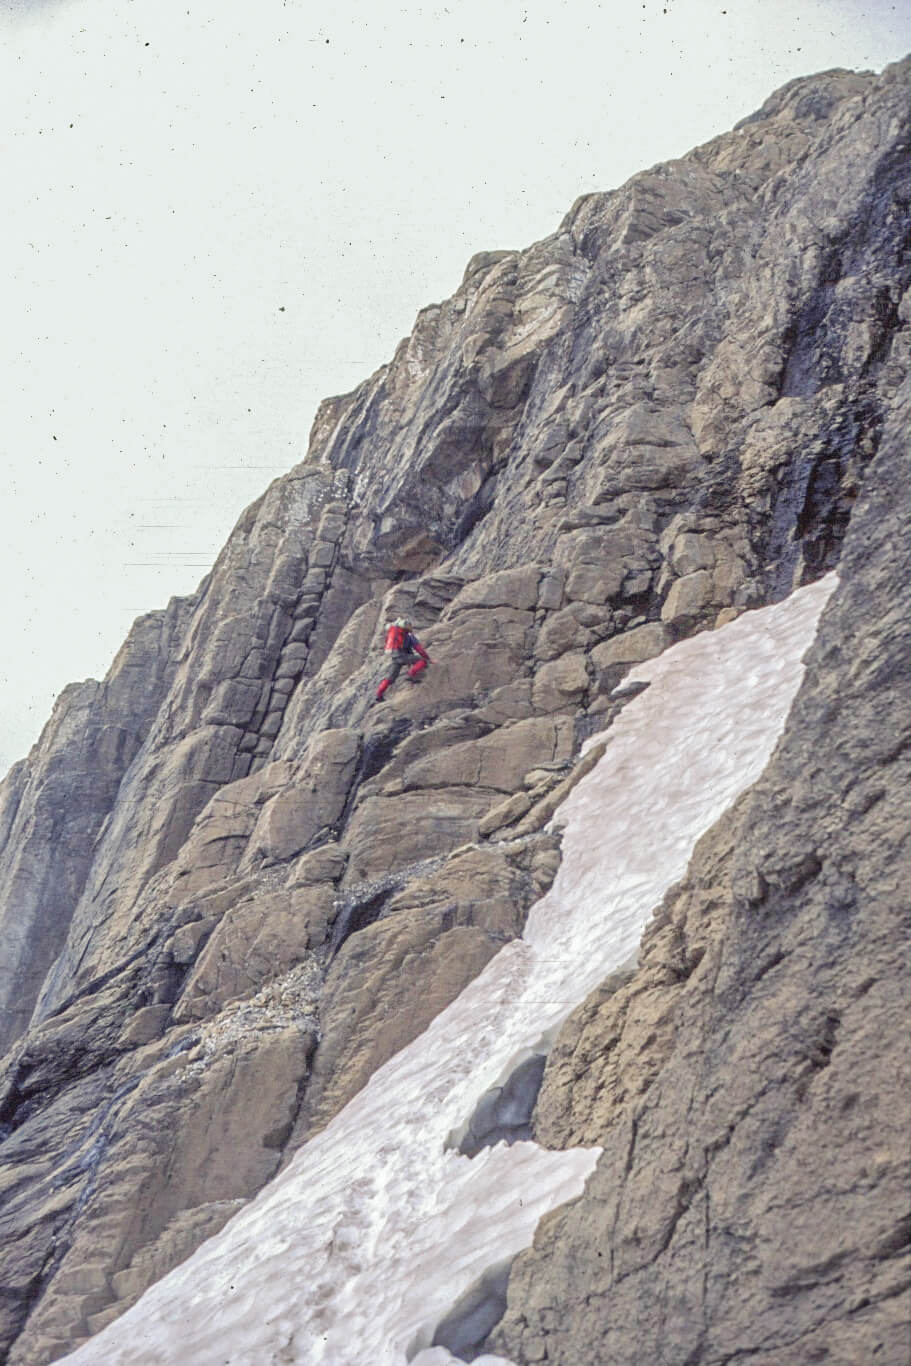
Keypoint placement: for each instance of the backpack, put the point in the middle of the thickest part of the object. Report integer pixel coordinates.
(395, 638)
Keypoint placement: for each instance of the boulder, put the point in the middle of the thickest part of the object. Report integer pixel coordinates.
(550, 590)
(691, 552)
(326, 864)
(497, 761)
(255, 941)
(564, 631)
(595, 583)
(560, 683)
(505, 813)
(688, 597)
(311, 803)
(386, 834)
(631, 647)
(516, 588)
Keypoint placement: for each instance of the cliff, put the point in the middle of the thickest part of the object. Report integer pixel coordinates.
(233, 887)
(751, 1082)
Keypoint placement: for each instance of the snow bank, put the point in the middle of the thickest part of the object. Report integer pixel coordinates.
(374, 1231)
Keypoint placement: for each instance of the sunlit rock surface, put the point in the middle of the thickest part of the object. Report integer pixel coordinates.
(395, 1234)
(233, 888)
(751, 1083)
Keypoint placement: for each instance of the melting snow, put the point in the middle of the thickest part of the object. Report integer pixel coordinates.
(377, 1227)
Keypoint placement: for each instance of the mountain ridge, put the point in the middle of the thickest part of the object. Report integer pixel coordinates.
(660, 416)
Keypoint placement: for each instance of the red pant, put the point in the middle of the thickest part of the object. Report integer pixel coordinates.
(399, 659)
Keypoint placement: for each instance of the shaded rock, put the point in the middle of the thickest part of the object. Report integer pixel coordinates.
(181, 1133)
(55, 803)
(504, 1115)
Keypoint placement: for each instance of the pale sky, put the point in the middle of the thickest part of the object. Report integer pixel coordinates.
(218, 213)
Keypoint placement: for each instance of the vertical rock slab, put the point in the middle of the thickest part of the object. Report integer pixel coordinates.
(207, 730)
(55, 803)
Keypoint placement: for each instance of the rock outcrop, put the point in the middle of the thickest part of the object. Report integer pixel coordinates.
(751, 1082)
(54, 805)
(234, 887)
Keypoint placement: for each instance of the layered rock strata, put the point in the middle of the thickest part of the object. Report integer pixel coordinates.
(53, 806)
(751, 1082)
(658, 417)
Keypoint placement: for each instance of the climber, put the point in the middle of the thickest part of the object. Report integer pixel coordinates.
(403, 645)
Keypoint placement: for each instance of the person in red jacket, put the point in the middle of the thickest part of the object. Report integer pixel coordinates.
(403, 647)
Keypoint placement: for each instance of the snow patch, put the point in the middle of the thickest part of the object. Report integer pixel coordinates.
(377, 1229)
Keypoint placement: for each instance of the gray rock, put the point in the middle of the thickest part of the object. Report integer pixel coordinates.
(505, 813)
(631, 647)
(690, 553)
(688, 597)
(564, 631)
(560, 683)
(509, 588)
(550, 590)
(321, 554)
(750, 1082)
(56, 803)
(168, 863)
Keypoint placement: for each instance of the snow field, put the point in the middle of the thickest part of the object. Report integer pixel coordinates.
(358, 1250)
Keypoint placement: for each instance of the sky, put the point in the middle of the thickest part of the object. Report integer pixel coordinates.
(378, 1222)
(218, 214)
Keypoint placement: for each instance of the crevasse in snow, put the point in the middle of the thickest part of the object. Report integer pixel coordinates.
(359, 1249)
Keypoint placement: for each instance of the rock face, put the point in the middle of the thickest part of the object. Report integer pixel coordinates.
(54, 805)
(751, 1082)
(233, 887)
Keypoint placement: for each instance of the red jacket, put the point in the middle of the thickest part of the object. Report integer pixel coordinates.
(398, 639)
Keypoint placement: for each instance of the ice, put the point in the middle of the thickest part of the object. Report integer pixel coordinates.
(378, 1226)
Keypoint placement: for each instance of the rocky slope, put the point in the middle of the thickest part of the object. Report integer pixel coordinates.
(232, 887)
(751, 1082)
